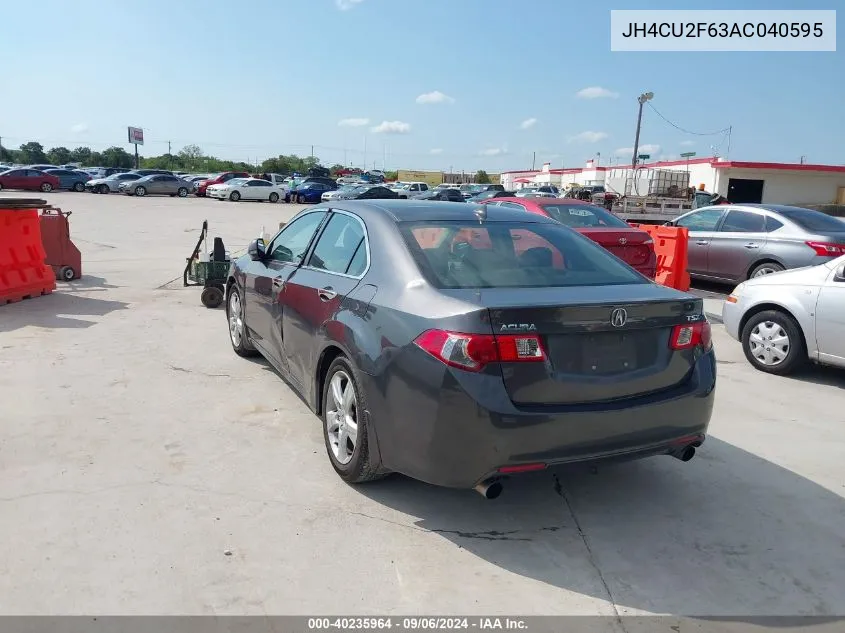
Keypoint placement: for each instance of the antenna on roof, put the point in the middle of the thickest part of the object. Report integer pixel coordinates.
(481, 213)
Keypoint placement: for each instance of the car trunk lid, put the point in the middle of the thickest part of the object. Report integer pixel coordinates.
(632, 246)
(600, 344)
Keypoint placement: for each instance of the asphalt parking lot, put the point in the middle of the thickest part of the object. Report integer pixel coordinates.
(145, 468)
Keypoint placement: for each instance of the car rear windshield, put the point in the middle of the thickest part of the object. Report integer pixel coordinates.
(511, 255)
(583, 216)
(811, 220)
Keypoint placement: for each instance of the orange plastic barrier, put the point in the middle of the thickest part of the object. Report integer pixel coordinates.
(671, 245)
(23, 272)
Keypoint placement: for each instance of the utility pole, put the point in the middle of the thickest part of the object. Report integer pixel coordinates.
(646, 96)
(169, 156)
(312, 151)
(534, 161)
(803, 158)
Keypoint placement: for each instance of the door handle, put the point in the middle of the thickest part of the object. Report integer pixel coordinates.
(326, 294)
(702, 242)
(752, 245)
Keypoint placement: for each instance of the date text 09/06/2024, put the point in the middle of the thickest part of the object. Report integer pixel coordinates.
(415, 624)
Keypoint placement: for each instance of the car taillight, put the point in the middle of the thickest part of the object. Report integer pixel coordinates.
(473, 351)
(692, 335)
(827, 249)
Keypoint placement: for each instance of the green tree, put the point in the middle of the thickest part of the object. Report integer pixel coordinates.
(59, 156)
(117, 157)
(82, 155)
(9, 155)
(33, 153)
(191, 153)
(481, 177)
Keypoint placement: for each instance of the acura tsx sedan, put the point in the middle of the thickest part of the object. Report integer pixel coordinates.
(459, 344)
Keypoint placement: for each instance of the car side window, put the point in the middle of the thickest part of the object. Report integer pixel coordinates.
(291, 244)
(261, 183)
(743, 222)
(772, 224)
(337, 244)
(32, 173)
(423, 187)
(704, 220)
(510, 205)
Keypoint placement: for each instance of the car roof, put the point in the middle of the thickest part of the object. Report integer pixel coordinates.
(420, 210)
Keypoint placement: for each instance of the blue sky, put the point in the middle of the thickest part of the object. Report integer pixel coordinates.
(253, 80)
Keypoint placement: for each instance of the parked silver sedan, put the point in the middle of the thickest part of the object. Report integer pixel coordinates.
(160, 184)
(783, 320)
(735, 242)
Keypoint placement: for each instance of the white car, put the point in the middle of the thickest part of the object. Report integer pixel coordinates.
(341, 193)
(785, 318)
(410, 189)
(245, 189)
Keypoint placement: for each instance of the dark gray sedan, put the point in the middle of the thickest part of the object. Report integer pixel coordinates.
(70, 178)
(736, 242)
(459, 345)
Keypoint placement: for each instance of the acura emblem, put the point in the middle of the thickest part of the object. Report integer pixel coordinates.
(623, 241)
(619, 317)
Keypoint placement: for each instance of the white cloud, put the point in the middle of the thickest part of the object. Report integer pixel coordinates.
(588, 137)
(649, 149)
(436, 150)
(391, 127)
(493, 151)
(79, 127)
(596, 92)
(353, 122)
(528, 123)
(434, 97)
(687, 143)
(345, 5)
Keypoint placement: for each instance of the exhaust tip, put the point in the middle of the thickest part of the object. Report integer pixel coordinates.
(489, 489)
(687, 454)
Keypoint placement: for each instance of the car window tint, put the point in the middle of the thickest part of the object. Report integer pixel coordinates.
(337, 244)
(261, 183)
(583, 215)
(810, 219)
(772, 224)
(743, 222)
(291, 244)
(359, 261)
(511, 255)
(510, 205)
(705, 220)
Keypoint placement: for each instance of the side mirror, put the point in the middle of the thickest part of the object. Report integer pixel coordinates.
(840, 273)
(257, 249)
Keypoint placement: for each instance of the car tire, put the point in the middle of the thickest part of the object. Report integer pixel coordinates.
(140, 191)
(766, 268)
(238, 336)
(46, 187)
(1, 186)
(353, 467)
(183, 192)
(67, 273)
(103, 189)
(274, 197)
(234, 196)
(79, 187)
(757, 339)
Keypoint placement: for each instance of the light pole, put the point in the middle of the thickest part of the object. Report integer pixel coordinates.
(629, 182)
(646, 96)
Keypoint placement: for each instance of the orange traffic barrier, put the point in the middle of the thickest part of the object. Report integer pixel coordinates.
(671, 244)
(23, 271)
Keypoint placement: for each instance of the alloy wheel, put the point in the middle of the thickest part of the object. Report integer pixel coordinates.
(342, 417)
(236, 321)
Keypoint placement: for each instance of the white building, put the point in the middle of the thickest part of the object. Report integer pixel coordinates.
(739, 181)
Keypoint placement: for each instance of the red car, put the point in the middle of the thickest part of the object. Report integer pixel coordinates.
(29, 179)
(219, 179)
(634, 247)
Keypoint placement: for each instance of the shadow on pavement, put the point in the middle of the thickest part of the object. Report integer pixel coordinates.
(821, 375)
(726, 534)
(56, 310)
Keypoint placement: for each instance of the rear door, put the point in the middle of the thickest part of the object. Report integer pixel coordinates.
(830, 321)
(267, 279)
(702, 226)
(315, 292)
(16, 179)
(737, 245)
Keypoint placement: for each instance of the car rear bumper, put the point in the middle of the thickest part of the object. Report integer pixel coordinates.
(430, 424)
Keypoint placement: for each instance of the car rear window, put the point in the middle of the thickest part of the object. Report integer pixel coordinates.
(511, 255)
(583, 215)
(811, 220)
